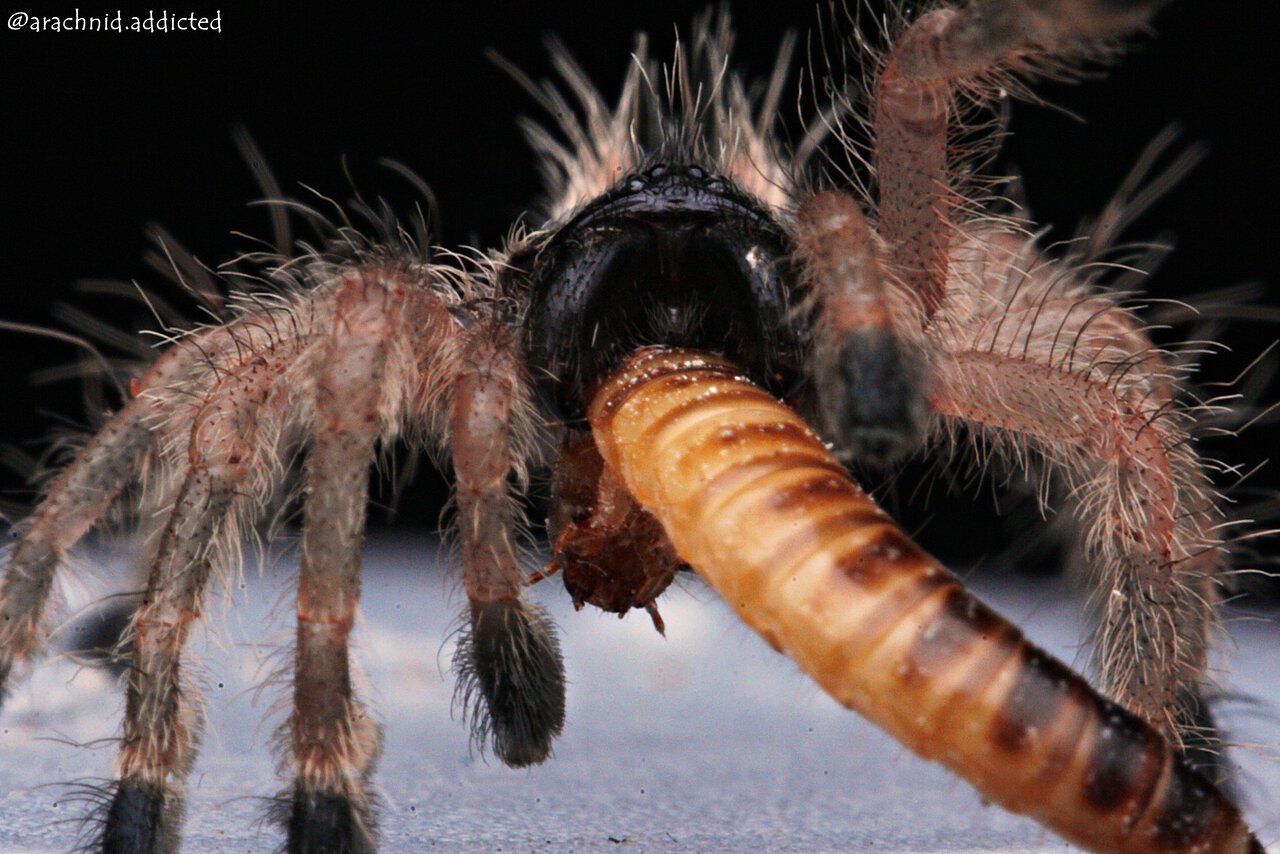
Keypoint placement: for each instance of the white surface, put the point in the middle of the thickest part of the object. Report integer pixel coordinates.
(704, 741)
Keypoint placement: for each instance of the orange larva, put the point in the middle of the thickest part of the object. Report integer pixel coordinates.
(752, 499)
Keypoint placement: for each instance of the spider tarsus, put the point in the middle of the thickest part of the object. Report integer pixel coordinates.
(877, 412)
(511, 680)
(141, 819)
(325, 823)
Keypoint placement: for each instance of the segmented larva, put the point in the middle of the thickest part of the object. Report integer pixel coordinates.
(754, 501)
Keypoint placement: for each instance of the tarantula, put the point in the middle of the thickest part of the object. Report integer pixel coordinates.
(888, 300)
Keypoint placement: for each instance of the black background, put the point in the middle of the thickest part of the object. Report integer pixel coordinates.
(104, 133)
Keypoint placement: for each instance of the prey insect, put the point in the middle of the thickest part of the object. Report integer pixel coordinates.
(751, 497)
(881, 297)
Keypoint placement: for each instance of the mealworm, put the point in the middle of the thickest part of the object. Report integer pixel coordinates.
(753, 500)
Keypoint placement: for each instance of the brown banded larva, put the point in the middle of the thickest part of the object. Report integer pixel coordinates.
(753, 500)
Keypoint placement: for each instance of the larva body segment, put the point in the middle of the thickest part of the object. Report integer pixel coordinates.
(753, 500)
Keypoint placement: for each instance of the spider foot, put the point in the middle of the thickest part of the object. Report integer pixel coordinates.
(511, 680)
(327, 823)
(141, 819)
(875, 398)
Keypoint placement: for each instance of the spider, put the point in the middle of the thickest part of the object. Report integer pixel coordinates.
(921, 329)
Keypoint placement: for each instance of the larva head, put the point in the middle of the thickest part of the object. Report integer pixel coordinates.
(673, 254)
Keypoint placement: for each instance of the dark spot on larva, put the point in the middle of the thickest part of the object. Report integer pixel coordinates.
(1126, 763)
(956, 630)
(1188, 812)
(817, 535)
(1042, 690)
(889, 553)
(771, 638)
(816, 489)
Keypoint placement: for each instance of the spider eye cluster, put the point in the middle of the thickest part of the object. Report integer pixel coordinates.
(673, 254)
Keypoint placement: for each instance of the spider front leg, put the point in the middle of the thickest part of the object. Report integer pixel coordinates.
(1094, 404)
(868, 349)
(511, 676)
(384, 354)
(1067, 378)
(125, 451)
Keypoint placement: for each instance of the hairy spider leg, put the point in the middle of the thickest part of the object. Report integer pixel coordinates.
(118, 455)
(227, 453)
(944, 53)
(1042, 369)
(510, 673)
(333, 740)
(868, 354)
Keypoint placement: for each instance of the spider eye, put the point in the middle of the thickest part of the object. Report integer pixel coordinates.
(672, 255)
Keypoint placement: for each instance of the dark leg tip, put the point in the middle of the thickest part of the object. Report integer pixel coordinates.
(322, 823)
(1130, 5)
(511, 681)
(873, 397)
(138, 821)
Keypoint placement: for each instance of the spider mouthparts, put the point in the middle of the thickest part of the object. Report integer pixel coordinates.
(610, 551)
(673, 255)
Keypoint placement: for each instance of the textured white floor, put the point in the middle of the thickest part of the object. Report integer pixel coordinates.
(704, 741)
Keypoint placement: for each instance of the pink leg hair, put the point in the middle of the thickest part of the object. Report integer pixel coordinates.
(486, 393)
(868, 347)
(942, 54)
(124, 452)
(385, 359)
(1037, 365)
(231, 463)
